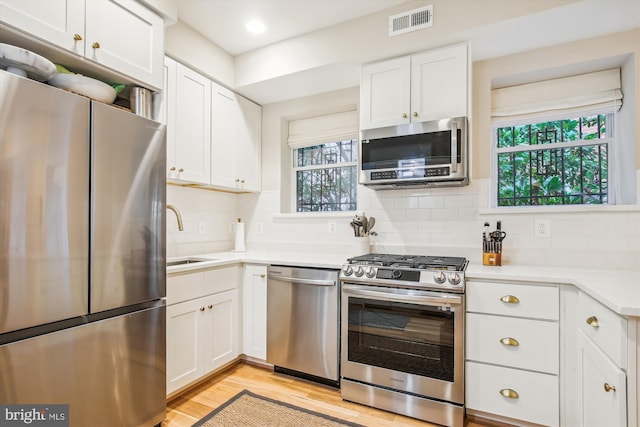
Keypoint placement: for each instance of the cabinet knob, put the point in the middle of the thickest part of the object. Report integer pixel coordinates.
(415, 114)
(593, 321)
(510, 299)
(95, 45)
(210, 306)
(77, 37)
(180, 170)
(510, 341)
(242, 181)
(172, 168)
(609, 388)
(404, 115)
(511, 394)
(262, 276)
(201, 308)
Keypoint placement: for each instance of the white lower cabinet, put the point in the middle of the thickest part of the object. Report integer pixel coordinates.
(514, 393)
(603, 389)
(254, 313)
(203, 333)
(513, 352)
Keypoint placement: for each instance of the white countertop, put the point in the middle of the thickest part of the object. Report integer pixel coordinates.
(618, 290)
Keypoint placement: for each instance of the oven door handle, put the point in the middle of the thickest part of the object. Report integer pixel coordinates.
(444, 300)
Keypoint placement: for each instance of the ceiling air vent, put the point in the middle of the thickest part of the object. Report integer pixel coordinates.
(412, 20)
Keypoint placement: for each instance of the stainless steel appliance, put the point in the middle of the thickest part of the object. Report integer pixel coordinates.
(427, 154)
(82, 256)
(403, 335)
(303, 322)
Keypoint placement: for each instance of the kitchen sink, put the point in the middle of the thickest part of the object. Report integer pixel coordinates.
(184, 261)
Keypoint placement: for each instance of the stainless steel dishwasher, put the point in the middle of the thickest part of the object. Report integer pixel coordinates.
(303, 322)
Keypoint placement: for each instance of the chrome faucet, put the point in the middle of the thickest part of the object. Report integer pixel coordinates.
(178, 216)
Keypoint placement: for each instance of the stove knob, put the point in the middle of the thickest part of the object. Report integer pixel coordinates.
(396, 274)
(439, 277)
(454, 278)
(359, 271)
(347, 270)
(371, 272)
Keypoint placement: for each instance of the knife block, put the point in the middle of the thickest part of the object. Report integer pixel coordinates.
(491, 253)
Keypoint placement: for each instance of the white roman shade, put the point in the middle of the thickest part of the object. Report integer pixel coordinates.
(322, 129)
(583, 94)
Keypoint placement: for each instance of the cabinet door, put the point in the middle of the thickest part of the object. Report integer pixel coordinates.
(248, 145)
(184, 352)
(384, 93)
(439, 84)
(221, 337)
(599, 406)
(223, 137)
(60, 22)
(192, 126)
(126, 36)
(168, 114)
(254, 313)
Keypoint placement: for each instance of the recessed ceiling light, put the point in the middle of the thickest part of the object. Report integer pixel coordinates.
(255, 27)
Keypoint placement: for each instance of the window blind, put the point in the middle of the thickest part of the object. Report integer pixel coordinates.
(599, 92)
(322, 129)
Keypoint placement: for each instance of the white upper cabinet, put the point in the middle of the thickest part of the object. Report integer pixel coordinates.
(385, 93)
(188, 117)
(236, 127)
(122, 35)
(439, 84)
(248, 152)
(423, 87)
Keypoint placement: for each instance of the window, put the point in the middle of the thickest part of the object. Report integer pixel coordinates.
(562, 162)
(553, 141)
(324, 166)
(326, 177)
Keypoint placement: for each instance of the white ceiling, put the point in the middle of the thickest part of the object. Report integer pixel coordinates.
(223, 21)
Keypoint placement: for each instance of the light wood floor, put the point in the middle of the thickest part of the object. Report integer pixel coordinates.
(197, 402)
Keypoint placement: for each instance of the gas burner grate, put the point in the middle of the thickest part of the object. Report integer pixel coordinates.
(411, 261)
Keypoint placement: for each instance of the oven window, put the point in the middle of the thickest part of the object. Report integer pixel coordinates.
(410, 338)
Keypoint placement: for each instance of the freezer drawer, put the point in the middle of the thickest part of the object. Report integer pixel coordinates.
(110, 372)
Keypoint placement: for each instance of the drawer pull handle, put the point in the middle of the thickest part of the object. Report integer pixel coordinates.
(511, 394)
(510, 299)
(510, 341)
(593, 321)
(609, 388)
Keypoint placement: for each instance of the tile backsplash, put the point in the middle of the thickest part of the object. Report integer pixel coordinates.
(444, 221)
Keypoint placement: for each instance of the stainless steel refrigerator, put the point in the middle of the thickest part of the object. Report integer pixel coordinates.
(82, 256)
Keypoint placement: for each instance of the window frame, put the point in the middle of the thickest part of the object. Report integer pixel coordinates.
(609, 141)
(295, 169)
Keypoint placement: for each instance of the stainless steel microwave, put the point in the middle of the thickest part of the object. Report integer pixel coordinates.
(427, 154)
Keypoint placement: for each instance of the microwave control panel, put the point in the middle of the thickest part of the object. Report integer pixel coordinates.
(410, 173)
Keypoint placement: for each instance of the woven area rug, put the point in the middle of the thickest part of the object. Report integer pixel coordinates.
(247, 409)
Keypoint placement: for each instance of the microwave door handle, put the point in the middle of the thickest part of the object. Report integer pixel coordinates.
(454, 148)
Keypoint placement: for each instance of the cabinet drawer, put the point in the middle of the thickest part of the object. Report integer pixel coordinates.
(517, 343)
(510, 299)
(537, 394)
(184, 287)
(604, 327)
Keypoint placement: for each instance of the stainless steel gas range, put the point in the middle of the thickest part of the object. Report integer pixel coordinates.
(402, 335)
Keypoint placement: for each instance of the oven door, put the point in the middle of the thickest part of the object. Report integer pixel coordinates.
(404, 339)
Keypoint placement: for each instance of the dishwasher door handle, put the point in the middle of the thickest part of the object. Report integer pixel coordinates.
(315, 282)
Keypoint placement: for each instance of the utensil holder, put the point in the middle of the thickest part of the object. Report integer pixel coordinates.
(361, 245)
(491, 253)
